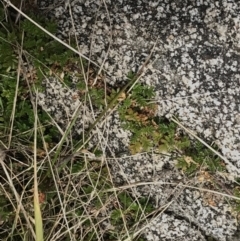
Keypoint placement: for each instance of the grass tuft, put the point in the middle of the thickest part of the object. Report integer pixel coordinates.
(51, 186)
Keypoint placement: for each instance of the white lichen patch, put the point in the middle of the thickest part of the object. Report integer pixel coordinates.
(194, 69)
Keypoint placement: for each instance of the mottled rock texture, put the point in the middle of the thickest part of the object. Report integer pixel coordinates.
(194, 68)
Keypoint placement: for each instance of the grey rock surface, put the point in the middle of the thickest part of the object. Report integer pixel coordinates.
(194, 68)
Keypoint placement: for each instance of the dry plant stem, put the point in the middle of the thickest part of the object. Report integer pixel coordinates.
(20, 206)
(16, 92)
(18, 199)
(58, 149)
(141, 71)
(50, 34)
(161, 209)
(205, 144)
(18, 16)
(84, 75)
(115, 100)
(130, 84)
(110, 43)
(143, 228)
(111, 105)
(69, 128)
(99, 71)
(125, 187)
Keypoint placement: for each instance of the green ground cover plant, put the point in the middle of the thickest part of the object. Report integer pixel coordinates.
(41, 56)
(74, 199)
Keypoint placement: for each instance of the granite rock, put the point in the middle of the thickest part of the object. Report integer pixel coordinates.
(194, 50)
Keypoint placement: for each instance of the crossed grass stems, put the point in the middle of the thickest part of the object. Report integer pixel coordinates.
(78, 200)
